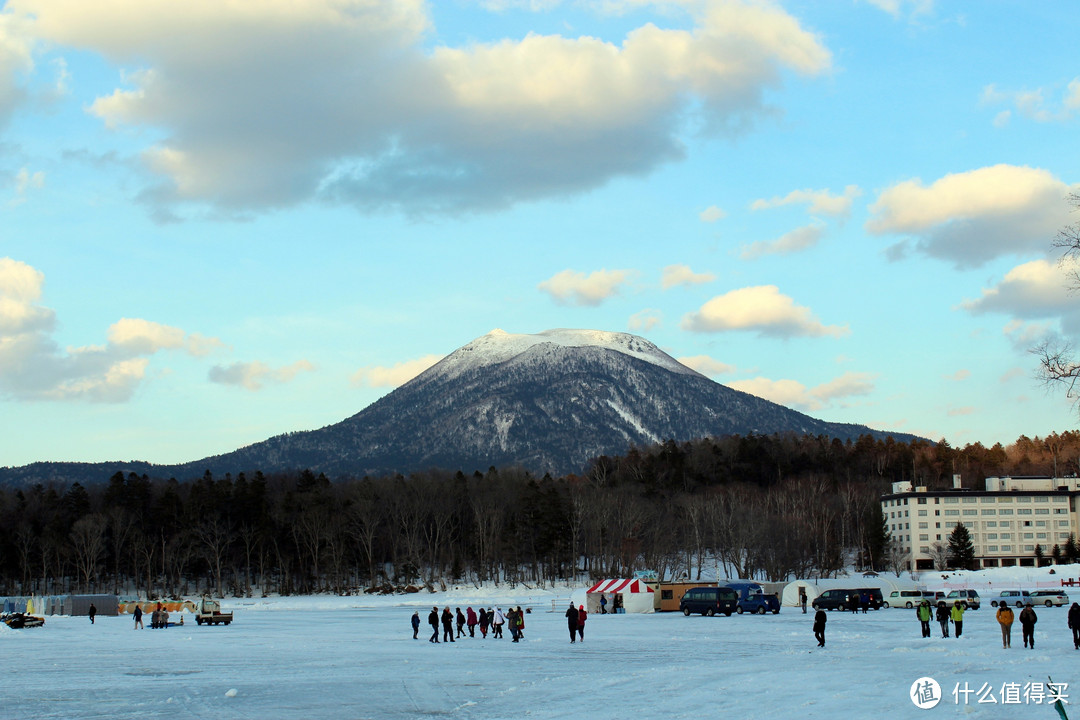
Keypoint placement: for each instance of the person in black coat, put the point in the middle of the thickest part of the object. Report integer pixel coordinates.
(1028, 618)
(819, 627)
(571, 621)
(415, 624)
(93, 613)
(943, 619)
(447, 625)
(1074, 624)
(460, 623)
(433, 621)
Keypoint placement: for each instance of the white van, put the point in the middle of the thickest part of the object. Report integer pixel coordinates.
(903, 598)
(1009, 597)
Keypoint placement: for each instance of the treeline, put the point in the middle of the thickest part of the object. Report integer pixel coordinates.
(766, 507)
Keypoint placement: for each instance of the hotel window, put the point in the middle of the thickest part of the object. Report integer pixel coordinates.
(989, 512)
(971, 512)
(1042, 511)
(924, 538)
(991, 536)
(991, 548)
(969, 500)
(924, 526)
(1023, 511)
(922, 513)
(1006, 548)
(951, 500)
(952, 512)
(1005, 511)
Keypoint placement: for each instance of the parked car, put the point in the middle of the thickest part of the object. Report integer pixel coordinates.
(836, 599)
(903, 599)
(709, 601)
(754, 599)
(1008, 597)
(969, 599)
(1049, 598)
(936, 597)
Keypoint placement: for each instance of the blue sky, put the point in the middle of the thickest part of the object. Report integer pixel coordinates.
(224, 221)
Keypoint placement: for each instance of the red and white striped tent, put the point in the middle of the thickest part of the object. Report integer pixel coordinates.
(637, 596)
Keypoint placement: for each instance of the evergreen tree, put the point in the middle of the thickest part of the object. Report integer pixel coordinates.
(1055, 553)
(961, 549)
(877, 538)
(1071, 551)
(1040, 556)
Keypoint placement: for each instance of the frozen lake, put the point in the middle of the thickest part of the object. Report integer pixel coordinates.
(355, 657)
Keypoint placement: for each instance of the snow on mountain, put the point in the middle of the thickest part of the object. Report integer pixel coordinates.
(499, 346)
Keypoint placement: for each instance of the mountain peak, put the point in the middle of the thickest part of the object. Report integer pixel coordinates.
(499, 346)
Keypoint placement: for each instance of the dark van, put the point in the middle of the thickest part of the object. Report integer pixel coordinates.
(709, 601)
(837, 599)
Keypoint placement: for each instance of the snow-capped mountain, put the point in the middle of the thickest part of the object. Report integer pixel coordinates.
(548, 402)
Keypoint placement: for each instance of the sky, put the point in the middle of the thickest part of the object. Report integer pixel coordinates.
(223, 221)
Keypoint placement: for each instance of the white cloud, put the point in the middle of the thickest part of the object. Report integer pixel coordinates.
(707, 365)
(280, 102)
(1032, 291)
(254, 375)
(959, 375)
(972, 217)
(797, 240)
(792, 393)
(711, 214)
(34, 367)
(645, 320)
(16, 58)
(396, 375)
(897, 8)
(763, 309)
(821, 202)
(570, 287)
(26, 180)
(676, 275)
(1033, 104)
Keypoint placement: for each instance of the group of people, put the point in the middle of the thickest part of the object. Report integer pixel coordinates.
(943, 615)
(495, 619)
(575, 621)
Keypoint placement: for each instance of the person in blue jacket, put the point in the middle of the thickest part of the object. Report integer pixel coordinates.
(415, 624)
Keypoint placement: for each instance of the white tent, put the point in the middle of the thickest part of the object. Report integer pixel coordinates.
(790, 596)
(636, 595)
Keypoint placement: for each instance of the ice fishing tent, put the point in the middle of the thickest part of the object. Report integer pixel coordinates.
(815, 587)
(637, 595)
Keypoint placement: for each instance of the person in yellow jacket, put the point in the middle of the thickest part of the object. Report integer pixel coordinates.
(957, 615)
(1005, 617)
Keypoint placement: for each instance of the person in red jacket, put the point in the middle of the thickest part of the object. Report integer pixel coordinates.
(581, 617)
(470, 619)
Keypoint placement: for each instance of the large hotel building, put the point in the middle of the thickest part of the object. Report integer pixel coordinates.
(1006, 520)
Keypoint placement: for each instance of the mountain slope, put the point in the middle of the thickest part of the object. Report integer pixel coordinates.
(548, 402)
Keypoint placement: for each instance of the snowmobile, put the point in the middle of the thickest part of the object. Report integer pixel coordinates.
(19, 620)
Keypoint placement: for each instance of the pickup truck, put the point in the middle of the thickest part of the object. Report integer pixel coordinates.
(209, 612)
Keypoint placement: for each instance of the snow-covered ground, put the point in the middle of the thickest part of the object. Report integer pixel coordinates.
(354, 657)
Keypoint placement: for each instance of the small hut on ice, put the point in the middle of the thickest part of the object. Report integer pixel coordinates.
(633, 596)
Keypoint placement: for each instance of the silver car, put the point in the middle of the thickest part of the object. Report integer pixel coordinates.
(1049, 598)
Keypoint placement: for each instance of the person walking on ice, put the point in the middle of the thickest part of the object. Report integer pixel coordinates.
(1005, 618)
(819, 627)
(957, 615)
(572, 621)
(943, 619)
(1028, 618)
(581, 616)
(923, 613)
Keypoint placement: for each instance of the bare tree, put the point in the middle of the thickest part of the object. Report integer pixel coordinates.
(88, 544)
(1058, 366)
